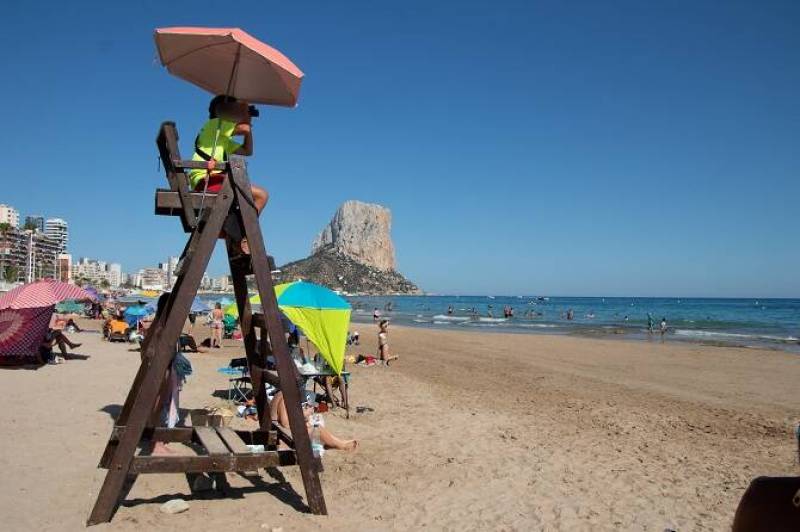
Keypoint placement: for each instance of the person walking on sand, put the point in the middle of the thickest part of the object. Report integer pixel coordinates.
(383, 343)
(376, 314)
(650, 323)
(663, 326)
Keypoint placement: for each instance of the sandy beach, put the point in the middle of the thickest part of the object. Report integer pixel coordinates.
(470, 431)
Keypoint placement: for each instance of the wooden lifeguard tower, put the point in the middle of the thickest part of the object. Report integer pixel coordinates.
(222, 449)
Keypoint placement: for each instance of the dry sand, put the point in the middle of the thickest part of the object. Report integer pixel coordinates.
(470, 431)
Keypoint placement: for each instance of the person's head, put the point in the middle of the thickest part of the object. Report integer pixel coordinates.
(218, 306)
(228, 108)
(384, 324)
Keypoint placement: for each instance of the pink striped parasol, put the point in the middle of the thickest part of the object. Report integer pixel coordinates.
(42, 294)
(22, 332)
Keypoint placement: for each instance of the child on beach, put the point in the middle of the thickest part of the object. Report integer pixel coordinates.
(228, 118)
(383, 343)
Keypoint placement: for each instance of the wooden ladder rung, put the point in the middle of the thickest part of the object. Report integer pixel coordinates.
(211, 441)
(233, 441)
(212, 464)
(168, 202)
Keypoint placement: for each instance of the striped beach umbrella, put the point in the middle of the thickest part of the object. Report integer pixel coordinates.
(42, 294)
(22, 332)
(321, 313)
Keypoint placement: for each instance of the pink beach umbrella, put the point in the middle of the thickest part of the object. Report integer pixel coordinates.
(230, 61)
(22, 332)
(42, 294)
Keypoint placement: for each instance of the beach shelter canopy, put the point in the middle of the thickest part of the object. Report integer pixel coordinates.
(42, 294)
(229, 61)
(135, 313)
(198, 306)
(322, 314)
(22, 332)
(70, 306)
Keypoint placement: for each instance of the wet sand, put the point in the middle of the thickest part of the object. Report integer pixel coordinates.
(469, 431)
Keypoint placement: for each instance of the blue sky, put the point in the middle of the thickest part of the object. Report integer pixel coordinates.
(564, 148)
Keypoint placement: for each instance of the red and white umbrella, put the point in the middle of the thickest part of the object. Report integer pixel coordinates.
(42, 294)
(22, 332)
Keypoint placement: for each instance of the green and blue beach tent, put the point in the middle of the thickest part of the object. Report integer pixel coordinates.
(322, 315)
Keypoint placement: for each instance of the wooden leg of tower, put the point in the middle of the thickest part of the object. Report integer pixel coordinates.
(309, 466)
(158, 356)
(255, 359)
(152, 332)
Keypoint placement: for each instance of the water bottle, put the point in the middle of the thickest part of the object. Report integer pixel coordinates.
(316, 442)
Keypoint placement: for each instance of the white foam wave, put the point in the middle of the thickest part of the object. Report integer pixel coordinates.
(442, 317)
(714, 334)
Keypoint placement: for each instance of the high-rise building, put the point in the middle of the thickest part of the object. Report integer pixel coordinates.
(97, 272)
(34, 222)
(152, 279)
(9, 215)
(58, 230)
(114, 274)
(27, 256)
(64, 267)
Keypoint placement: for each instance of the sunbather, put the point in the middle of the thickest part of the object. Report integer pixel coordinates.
(278, 412)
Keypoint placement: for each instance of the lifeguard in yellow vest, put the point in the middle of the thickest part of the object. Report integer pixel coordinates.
(228, 118)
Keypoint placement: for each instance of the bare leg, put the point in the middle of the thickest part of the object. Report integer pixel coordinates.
(385, 356)
(170, 411)
(332, 442)
(260, 198)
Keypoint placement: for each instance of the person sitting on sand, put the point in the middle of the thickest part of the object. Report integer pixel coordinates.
(278, 412)
(187, 342)
(228, 118)
(51, 338)
(383, 343)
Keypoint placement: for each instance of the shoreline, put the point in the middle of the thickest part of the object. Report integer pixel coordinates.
(613, 333)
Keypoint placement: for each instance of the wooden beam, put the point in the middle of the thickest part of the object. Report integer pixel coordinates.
(167, 142)
(211, 441)
(232, 441)
(309, 466)
(168, 202)
(211, 464)
(158, 356)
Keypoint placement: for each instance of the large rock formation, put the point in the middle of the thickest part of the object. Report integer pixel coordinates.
(360, 231)
(353, 254)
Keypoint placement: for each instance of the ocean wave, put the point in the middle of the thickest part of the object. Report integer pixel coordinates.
(442, 317)
(492, 320)
(742, 336)
(536, 325)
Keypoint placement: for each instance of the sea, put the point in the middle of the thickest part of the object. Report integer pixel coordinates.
(763, 323)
